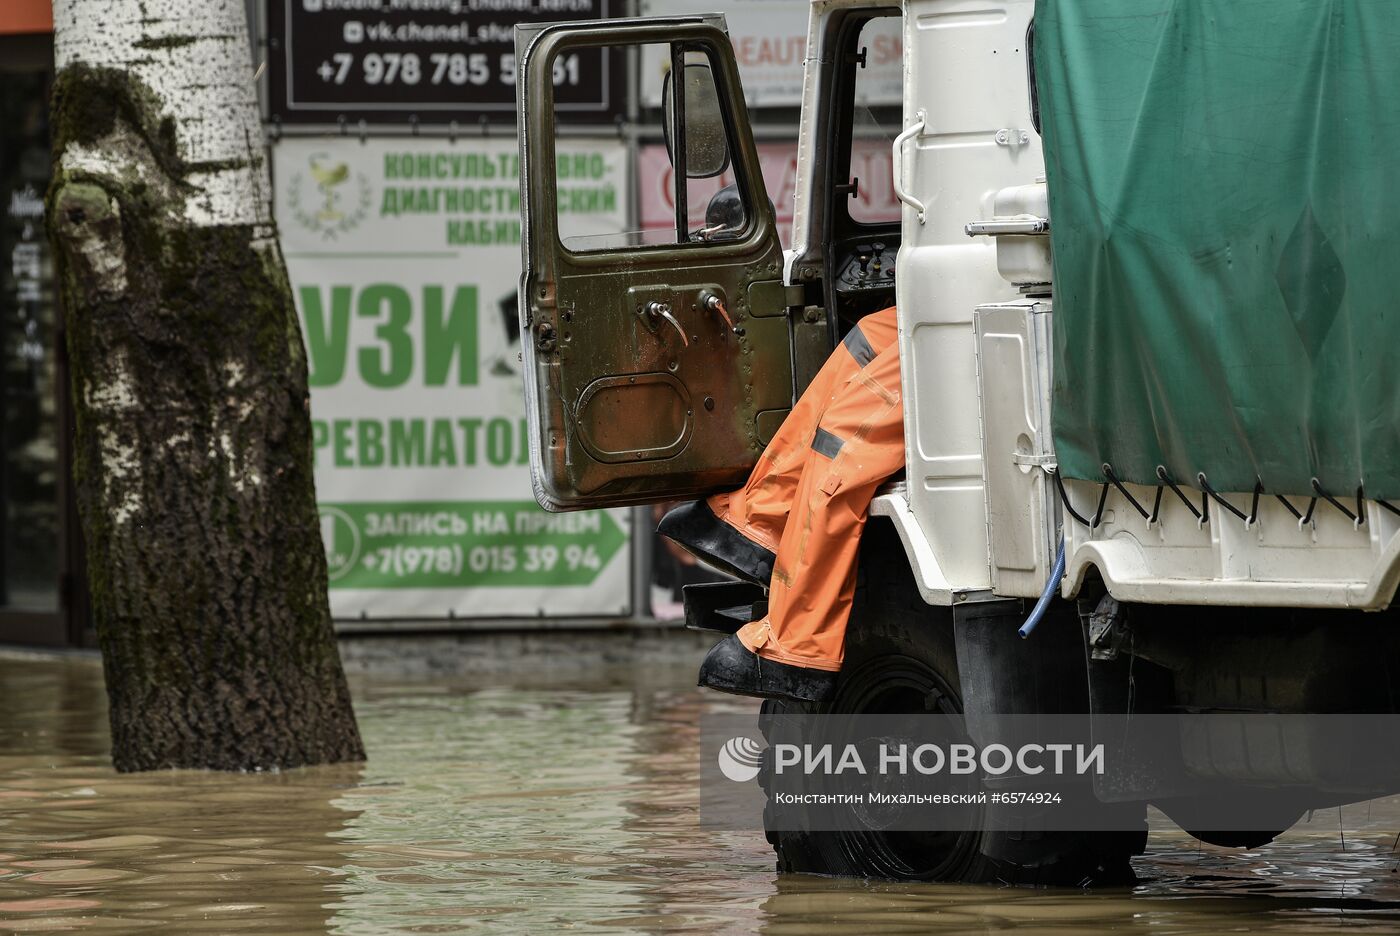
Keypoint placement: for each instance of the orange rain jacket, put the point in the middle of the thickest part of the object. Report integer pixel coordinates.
(809, 495)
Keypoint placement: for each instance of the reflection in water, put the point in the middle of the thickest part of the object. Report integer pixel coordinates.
(82, 847)
(533, 808)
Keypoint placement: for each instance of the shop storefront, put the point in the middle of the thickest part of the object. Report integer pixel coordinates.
(395, 187)
(394, 150)
(41, 591)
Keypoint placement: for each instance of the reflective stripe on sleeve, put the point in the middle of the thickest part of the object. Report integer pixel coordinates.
(824, 443)
(858, 347)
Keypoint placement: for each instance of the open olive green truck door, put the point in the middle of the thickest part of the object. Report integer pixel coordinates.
(657, 363)
(1224, 181)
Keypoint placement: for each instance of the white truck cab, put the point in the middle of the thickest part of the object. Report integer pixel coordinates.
(658, 364)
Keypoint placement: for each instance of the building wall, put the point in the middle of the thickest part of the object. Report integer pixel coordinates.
(26, 16)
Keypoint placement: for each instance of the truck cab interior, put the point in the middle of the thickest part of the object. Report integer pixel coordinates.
(855, 218)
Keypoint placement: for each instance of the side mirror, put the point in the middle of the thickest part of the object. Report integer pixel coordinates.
(706, 144)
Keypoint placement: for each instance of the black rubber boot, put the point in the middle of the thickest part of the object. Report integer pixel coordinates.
(734, 668)
(695, 528)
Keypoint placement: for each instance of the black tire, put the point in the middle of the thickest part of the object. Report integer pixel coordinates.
(900, 659)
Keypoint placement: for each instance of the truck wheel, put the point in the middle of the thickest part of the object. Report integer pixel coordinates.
(900, 660)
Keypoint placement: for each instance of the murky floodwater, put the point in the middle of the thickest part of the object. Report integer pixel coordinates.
(519, 807)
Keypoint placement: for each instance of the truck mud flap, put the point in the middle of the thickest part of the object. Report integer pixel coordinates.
(1002, 674)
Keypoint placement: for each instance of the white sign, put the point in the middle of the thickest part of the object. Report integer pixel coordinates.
(404, 257)
(770, 47)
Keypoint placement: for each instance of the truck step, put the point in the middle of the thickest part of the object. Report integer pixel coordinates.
(723, 607)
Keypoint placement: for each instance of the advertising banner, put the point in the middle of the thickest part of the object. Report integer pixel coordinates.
(431, 60)
(404, 257)
(770, 44)
(870, 163)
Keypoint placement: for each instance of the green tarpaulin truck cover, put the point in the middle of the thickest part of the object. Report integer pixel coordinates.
(1224, 180)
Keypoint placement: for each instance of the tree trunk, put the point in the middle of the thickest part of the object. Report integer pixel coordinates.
(192, 463)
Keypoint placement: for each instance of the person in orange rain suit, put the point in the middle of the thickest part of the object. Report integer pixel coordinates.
(795, 526)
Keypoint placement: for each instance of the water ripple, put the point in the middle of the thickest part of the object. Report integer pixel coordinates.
(535, 808)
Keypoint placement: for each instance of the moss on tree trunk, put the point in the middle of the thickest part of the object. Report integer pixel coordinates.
(193, 464)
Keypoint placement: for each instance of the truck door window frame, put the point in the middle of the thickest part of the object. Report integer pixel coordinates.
(835, 84)
(754, 230)
(846, 75)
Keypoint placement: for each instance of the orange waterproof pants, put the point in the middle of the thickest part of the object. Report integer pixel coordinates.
(810, 493)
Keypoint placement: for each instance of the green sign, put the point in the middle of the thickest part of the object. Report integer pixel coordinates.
(465, 544)
(404, 258)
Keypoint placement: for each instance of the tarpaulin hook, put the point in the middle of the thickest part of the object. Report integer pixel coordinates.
(1162, 476)
(1355, 518)
(1156, 506)
(1306, 518)
(1205, 486)
(1113, 479)
(1254, 506)
(1064, 498)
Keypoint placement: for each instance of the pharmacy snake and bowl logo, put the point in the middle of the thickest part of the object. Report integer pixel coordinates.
(739, 759)
(326, 204)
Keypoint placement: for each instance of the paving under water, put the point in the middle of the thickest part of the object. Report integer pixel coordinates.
(519, 805)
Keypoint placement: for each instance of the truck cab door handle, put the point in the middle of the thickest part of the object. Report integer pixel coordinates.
(715, 304)
(662, 310)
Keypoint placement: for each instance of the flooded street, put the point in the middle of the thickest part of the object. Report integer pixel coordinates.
(537, 806)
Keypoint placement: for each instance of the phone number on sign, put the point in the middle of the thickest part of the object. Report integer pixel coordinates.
(454, 68)
(404, 561)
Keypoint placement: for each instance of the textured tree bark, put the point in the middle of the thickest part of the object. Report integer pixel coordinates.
(193, 447)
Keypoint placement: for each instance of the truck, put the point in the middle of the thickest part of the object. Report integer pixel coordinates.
(1100, 409)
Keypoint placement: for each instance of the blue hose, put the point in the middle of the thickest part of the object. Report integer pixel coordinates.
(1052, 586)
